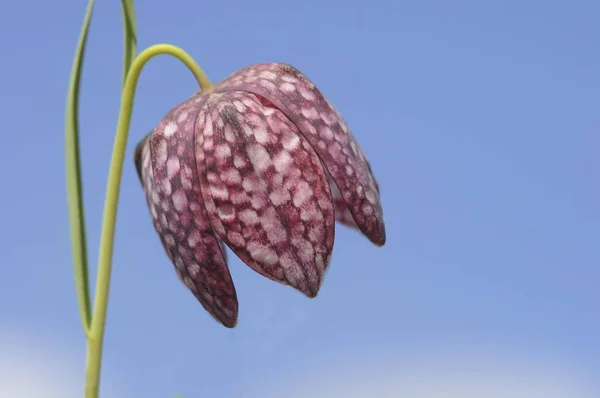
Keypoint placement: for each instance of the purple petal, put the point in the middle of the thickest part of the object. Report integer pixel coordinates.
(265, 190)
(342, 213)
(322, 126)
(166, 164)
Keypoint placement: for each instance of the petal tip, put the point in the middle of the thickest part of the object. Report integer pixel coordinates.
(312, 289)
(227, 316)
(229, 323)
(374, 230)
(380, 239)
(306, 287)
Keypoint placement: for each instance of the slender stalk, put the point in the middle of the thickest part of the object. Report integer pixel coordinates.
(73, 174)
(96, 336)
(130, 30)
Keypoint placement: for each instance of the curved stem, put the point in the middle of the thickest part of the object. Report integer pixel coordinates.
(96, 336)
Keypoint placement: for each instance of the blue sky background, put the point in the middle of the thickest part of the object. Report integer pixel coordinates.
(482, 125)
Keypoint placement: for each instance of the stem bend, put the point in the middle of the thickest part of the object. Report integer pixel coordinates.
(96, 335)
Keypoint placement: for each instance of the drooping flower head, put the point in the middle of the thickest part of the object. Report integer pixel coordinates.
(264, 164)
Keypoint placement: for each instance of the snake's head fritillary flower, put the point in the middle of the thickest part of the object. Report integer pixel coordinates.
(265, 164)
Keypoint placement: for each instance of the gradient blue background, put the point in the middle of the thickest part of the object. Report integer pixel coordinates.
(481, 122)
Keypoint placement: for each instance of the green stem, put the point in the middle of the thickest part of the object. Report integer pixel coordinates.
(73, 174)
(96, 335)
(130, 29)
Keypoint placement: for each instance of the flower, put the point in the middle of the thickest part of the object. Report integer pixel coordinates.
(264, 163)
